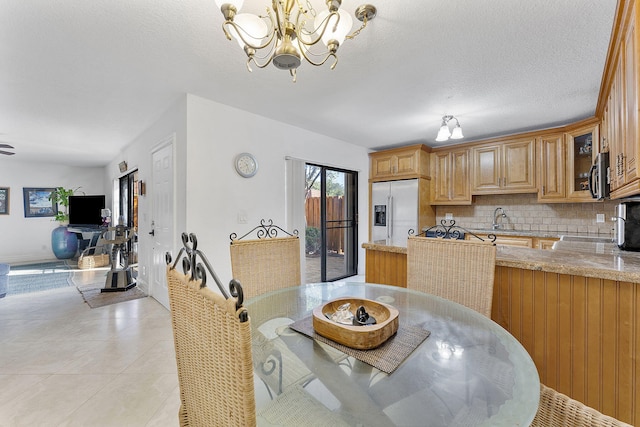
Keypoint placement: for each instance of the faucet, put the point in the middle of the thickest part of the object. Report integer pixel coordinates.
(495, 224)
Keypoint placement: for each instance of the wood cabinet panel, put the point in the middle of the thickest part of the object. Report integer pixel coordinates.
(621, 108)
(450, 180)
(525, 242)
(551, 168)
(504, 168)
(630, 88)
(487, 173)
(400, 163)
(545, 244)
(387, 268)
(518, 165)
(582, 333)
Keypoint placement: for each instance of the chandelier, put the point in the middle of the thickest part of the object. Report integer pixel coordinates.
(290, 31)
(444, 133)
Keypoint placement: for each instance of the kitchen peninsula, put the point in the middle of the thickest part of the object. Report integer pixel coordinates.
(575, 308)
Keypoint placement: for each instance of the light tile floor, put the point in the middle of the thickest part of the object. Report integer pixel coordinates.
(65, 364)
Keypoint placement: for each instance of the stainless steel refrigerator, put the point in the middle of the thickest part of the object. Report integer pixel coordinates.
(395, 211)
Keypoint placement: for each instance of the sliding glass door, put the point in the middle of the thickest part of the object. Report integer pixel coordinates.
(331, 218)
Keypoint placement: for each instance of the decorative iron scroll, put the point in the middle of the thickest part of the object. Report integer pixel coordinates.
(192, 266)
(264, 231)
(447, 229)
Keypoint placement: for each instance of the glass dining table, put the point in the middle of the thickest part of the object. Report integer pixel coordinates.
(469, 371)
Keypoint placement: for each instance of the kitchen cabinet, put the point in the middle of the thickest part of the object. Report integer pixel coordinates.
(544, 243)
(450, 179)
(615, 132)
(521, 241)
(400, 163)
(582, 147)
(551, 168)
(630, 81)
(564, 161)
(508, 167)
(619, 107)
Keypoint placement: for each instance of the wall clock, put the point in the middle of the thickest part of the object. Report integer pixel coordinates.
(246, 165)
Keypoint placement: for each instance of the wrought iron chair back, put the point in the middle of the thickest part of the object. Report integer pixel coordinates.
(268, 262)
(447, 229)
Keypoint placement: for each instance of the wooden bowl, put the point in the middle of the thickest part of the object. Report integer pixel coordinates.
(358, 337)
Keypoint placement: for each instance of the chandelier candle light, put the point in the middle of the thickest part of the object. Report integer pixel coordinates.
(444, 133)
(290, 31)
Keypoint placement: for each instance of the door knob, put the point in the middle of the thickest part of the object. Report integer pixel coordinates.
(152, 232)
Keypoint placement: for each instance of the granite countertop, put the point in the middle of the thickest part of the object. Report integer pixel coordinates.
(603, 261)
(582, 258)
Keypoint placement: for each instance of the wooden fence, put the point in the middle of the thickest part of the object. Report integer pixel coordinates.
(335, 212)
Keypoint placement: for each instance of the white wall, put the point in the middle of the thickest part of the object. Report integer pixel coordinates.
(138, 156)
(216, 193)
(29, 239)
(209, 194)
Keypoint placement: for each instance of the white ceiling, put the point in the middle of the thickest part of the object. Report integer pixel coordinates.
(80, 79)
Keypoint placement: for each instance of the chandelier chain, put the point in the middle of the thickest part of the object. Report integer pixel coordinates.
(357, 32)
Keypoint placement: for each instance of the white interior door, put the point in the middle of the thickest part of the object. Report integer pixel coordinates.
(162, 220)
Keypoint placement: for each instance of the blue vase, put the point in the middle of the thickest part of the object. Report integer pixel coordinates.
(64, 243)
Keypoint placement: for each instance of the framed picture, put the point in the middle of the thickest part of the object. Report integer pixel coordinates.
(37, 203)
(4, 200)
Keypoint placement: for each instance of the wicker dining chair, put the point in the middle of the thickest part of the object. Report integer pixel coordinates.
(557, 409)
(213, 355)
(267, 263)
(458, 270)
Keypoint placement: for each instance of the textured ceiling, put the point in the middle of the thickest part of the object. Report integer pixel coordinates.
(79, 79)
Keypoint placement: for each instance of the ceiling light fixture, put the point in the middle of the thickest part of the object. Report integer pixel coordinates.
(444, 133)
(285, 39)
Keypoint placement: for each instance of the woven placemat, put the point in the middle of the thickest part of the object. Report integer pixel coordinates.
(387, 357)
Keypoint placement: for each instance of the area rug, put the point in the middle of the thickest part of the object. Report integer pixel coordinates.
(95, 298)
(38, 277)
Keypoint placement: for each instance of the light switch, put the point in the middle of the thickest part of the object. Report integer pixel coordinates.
(448, 216)
(599, 217)
(242, 217)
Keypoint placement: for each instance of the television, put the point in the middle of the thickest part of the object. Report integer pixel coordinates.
(86, 211)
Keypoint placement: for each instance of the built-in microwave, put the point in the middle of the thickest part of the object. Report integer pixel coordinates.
(599, 177)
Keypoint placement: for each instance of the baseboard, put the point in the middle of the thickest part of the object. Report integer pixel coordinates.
(142, 285)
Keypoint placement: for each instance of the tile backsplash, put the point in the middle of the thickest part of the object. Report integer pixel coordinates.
(524, 213)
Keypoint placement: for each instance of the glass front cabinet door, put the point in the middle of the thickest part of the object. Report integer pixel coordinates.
(582, 148)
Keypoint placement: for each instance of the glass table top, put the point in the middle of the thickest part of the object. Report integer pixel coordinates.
(469, 371)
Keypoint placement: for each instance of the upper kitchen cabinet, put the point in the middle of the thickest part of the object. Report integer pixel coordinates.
(618, 105)
(400, 163)
(450, 179)
(564, 162)
(551, 168)
(507, 167)
(582, 147)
